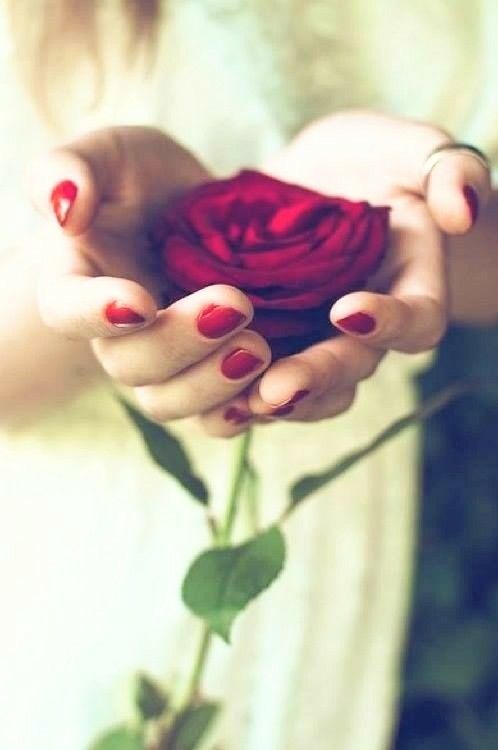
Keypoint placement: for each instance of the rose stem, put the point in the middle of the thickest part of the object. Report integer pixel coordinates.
(237, 476)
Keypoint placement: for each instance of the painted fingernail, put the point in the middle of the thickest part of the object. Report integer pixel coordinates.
(216, 321)
(472, 200)
(281, 411)
(236, 416)
(359, 322)
(239, 364)
(62, 198)
(121, 316)
(287, 406)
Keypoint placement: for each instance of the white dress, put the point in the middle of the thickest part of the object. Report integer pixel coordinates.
(94, 540)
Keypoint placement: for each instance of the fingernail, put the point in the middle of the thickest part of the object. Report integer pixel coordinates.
(236, 416)
(240, 363)
(281, 411)
(62, 198)
(472, 200)
(287, 406)
(216, 321)
(359, 322)
(121, 316)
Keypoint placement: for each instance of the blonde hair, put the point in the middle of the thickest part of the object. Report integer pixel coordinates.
(66, 50)
(57, 41)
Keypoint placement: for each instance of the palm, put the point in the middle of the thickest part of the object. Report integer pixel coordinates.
(368, 157)
(145, 170)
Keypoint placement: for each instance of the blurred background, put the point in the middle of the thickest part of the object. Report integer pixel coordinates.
(450, 686)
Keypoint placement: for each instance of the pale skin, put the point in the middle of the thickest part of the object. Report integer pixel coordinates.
(55, 291)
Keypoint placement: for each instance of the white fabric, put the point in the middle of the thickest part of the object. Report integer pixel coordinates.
(94, 541)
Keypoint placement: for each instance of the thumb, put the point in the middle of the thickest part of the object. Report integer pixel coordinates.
(67, 184)
(457, 190)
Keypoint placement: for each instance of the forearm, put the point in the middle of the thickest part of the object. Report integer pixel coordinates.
(473, 271)
(38, 368)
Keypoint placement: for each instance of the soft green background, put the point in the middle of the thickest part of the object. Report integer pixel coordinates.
(450, 697)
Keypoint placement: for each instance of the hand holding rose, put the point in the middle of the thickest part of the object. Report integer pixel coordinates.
(368, 156)
(101, 281)
(198, 356)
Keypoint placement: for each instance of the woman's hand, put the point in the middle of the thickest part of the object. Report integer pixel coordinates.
(368, 156)
(100, 282)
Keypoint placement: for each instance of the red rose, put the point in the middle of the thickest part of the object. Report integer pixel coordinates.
(293, 251)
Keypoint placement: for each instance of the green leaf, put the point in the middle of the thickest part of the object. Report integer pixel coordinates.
(120, 738)
(222, 581)
(150, 699)
(313, 482)
(168, 453)
(191, 727)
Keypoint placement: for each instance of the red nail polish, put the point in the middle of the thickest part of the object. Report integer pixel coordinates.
(235, 415)
(62, 198)
(472, 200)
(287, 406)
(216, 321)
(239, 364)
(359, 322)
(281, 411)
(120, 315)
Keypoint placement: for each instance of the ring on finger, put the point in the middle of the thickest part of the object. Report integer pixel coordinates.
(437, 154)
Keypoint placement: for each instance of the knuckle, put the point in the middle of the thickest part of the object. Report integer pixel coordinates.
(331, 368)
(371, 367)
(153, 406)
(297, 367)
(114, 365)
(438, 325)
(219, 429)
(131, 378)
(344, 401)
(426, 333)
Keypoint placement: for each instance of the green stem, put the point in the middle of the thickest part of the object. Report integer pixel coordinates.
(223, 535)
(236, 483)
(252, 498)
(194, 680)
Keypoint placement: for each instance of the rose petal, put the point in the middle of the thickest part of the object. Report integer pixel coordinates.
(293, 251)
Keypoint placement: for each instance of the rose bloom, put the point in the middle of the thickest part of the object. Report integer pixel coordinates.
(293, 251)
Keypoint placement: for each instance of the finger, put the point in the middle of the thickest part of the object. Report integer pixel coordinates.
(458, 185)
(406, 323)
(412, 318)
(229, 419)
(326, 406)
(457, 189)
(71, 182)
(78, 307)
(216, 379)
(185, 333)
(333, 365)
(235, 418)
(68, 183)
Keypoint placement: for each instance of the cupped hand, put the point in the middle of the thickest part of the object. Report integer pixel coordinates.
(102, 194)
(368, 156)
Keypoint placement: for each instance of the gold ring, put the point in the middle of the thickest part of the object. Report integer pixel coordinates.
(439, 153)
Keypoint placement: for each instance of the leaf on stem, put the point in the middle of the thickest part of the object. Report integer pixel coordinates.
(120, 738)
(313, 482)
(168, 453)
(190, 727)
(222, 581)
(150, 699)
